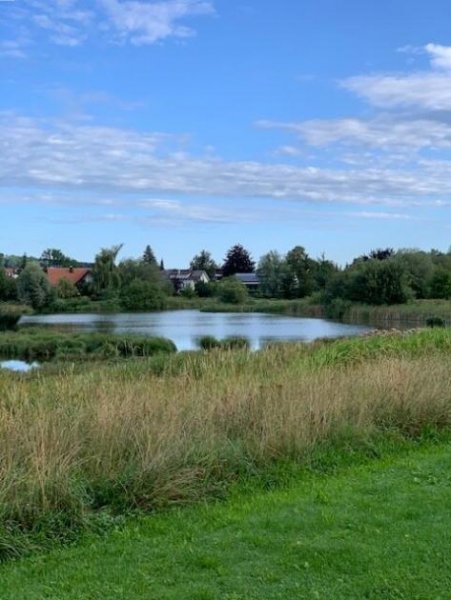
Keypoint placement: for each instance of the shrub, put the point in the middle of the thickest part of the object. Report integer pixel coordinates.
(142, 295)
(188, 292)
(236, 342)
(205, 290)
(33, 287)
(10, 315)
(435, 322)
(207, 342)
(232, 291)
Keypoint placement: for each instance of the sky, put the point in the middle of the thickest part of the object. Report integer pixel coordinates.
(200, 124)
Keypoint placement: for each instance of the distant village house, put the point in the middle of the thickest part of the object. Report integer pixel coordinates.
(183, 279)
(250, 280)
(78, 276)
(11, 272)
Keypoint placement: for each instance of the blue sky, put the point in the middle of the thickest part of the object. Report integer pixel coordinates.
(191, 124)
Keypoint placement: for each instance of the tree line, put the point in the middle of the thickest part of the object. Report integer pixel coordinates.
(383, 276)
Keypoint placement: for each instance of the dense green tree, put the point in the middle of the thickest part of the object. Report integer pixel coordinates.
(322, 270)
(204, 262)
(441, 284)
(238, 260)
(231, 290)
(8, 287)
(142, 295)
(205, 290)
(66, 289)
(23, 262)
(33, 287)
(272, 270)
(380, 254)
(131, 269)
(379, 282)
(149, 256)
(419, 269)
(53, 257)
(105, 272)
(300, 265)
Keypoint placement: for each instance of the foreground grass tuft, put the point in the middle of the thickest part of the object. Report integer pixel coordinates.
(376, 530)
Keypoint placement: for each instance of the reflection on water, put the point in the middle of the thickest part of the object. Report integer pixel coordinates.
(185, 327)
(18, 365)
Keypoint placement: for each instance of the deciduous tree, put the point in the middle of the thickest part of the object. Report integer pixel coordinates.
(33, 287)
(238, 260)
(204, 262)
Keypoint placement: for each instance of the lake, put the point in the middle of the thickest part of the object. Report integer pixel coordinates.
(186, 327)
(18, 365)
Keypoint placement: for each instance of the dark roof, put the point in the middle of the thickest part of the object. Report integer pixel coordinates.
(197, 274)
(184, 274)
(248, 278)
(177, 273)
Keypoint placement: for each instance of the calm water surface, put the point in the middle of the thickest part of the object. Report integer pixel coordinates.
(186, 327)
(18, 365)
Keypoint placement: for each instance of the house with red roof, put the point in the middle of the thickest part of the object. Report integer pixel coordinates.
(78, 276)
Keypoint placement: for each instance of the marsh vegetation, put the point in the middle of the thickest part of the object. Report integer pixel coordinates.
(79, 446)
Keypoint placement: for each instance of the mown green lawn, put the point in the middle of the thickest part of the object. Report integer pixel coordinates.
(378, 531)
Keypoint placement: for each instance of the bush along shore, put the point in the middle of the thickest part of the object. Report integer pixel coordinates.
(10, 315)
(36, 344)
(81, 449)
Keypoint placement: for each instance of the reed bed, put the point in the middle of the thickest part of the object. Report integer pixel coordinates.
(415, 313)
(123, 437)
(41, 344)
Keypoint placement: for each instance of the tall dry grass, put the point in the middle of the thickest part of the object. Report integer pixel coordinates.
(123, 437)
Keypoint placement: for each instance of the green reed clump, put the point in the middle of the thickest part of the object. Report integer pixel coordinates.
(10, 315)
(44, 345)
(235, 342)
(435, 322)
(208, 342)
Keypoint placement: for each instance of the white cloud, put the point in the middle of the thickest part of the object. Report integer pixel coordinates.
(384, 216)
(139, 22)
(146, 23)
(413, 120)
(13, 48)
(430, 90)
(110, 160)
(386, 132)
(440, 56)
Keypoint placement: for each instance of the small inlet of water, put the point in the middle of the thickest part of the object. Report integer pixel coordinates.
(19, 366)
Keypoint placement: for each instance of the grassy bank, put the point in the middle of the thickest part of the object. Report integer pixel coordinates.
(415, 313)
(375, 530)
(78, 447)
(37, 344)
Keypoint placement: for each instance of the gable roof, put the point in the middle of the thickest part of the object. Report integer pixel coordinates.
(73, 274)
(185, 274)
